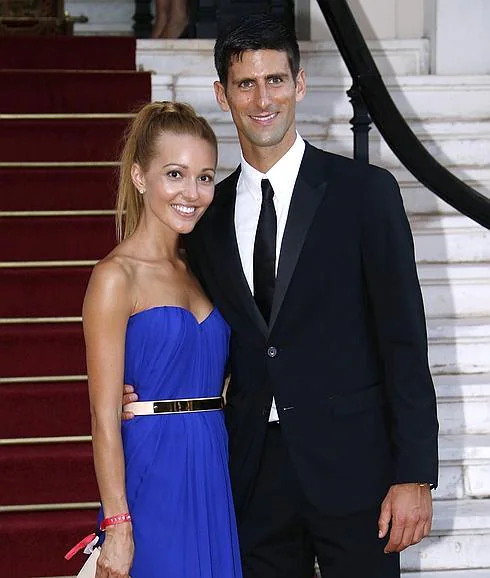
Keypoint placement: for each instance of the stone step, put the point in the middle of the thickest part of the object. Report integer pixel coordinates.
(318, 58)
(432, 97)
(450, 238)
(452, 143)
(416, 97)
(418, 200)
(404, 56)
(467, 573)
(463, 403)
(459, 539)
(459, 345)
(455, 289)
(464, 467)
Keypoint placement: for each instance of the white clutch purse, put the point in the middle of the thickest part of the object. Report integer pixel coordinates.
(88, 569)
(89, 544)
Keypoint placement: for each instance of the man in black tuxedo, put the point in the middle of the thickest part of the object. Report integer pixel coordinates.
(331, 409)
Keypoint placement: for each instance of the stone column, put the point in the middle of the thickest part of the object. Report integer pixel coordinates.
(460, 41)
(378, 19)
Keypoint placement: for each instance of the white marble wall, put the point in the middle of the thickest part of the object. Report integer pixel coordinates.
(459, 34)
(457, 29)
(378, 19)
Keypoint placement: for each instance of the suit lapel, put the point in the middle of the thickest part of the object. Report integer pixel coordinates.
(308, 192)
(222, 236)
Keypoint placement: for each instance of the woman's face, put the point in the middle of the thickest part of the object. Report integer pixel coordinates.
(179, 183)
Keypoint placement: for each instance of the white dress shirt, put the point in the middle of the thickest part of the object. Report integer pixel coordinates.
(282, 176)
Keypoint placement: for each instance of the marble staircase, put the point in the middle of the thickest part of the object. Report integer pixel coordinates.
(450, 116)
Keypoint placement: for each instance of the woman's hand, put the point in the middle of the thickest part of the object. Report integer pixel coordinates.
(116, 554)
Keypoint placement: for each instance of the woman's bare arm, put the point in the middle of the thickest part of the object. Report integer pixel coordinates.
(106, 310)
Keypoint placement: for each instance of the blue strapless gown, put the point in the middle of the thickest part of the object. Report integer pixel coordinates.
(177, 481)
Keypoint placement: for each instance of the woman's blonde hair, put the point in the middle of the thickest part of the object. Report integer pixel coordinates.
(150, 122)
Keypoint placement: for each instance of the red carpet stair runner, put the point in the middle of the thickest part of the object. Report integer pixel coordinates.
(64, 104)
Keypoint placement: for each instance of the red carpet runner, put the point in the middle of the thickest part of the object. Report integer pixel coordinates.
(64, 104)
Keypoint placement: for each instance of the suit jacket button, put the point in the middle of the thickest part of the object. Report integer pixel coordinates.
(271, 351)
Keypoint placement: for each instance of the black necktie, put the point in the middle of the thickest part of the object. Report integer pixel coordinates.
(265, 252)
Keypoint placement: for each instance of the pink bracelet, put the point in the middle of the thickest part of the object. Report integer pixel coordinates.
(114, 520)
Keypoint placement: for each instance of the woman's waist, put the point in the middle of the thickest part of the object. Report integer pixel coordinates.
(176, 405)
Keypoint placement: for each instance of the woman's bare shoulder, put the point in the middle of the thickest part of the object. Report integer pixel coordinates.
(114, 270)
(111, 284)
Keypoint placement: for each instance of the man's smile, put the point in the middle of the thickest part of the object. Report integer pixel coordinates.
(264, 118)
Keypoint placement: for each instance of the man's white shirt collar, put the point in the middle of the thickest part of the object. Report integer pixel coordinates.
(282, 176)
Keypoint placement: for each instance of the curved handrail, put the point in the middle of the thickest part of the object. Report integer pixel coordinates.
(389, 121)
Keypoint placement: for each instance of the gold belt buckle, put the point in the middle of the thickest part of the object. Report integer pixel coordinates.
(188, 405)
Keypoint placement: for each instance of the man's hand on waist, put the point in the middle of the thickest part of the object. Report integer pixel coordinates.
(128, 397)
(409, 509)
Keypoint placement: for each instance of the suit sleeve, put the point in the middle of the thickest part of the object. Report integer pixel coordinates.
(396, 301)
(191, 244)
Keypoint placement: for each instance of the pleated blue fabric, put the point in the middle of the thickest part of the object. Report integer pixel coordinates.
(177, 480)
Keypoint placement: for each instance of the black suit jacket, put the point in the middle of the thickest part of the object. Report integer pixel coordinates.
(345, 354)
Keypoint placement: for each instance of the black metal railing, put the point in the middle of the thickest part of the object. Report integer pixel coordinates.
(370, 98)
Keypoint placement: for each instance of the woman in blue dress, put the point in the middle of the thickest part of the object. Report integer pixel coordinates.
(163, 476)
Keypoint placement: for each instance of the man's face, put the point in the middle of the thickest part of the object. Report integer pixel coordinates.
(261, 95)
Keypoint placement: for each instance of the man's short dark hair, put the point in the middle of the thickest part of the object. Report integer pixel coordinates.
(254, 32)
